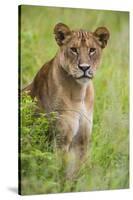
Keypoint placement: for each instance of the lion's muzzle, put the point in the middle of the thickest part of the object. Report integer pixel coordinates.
(87, 71)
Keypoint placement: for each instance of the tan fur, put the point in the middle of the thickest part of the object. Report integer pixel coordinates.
(61, 85)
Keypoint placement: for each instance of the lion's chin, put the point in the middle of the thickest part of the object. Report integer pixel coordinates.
(83, 80)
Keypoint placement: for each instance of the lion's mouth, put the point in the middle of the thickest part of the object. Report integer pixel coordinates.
(88, 76)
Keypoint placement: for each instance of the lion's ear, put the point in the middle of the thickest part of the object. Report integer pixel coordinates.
(102, 34)
(62, 33)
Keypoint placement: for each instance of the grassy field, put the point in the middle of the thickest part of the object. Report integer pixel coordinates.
(108, 159)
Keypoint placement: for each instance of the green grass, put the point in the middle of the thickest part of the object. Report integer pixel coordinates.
(108, 162)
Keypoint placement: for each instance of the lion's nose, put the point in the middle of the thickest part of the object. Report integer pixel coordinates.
(84, 67)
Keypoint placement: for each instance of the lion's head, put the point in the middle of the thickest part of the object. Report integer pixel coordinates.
(80, 51)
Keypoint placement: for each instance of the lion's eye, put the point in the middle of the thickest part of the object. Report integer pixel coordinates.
(92, 51)
(74, 50)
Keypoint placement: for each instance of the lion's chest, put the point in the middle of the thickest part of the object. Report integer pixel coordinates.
(77, 118)
(85, 120)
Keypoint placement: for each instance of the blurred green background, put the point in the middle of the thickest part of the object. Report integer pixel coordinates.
(108, 163)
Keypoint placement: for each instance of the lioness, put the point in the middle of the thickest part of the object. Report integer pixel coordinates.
(64, 84)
